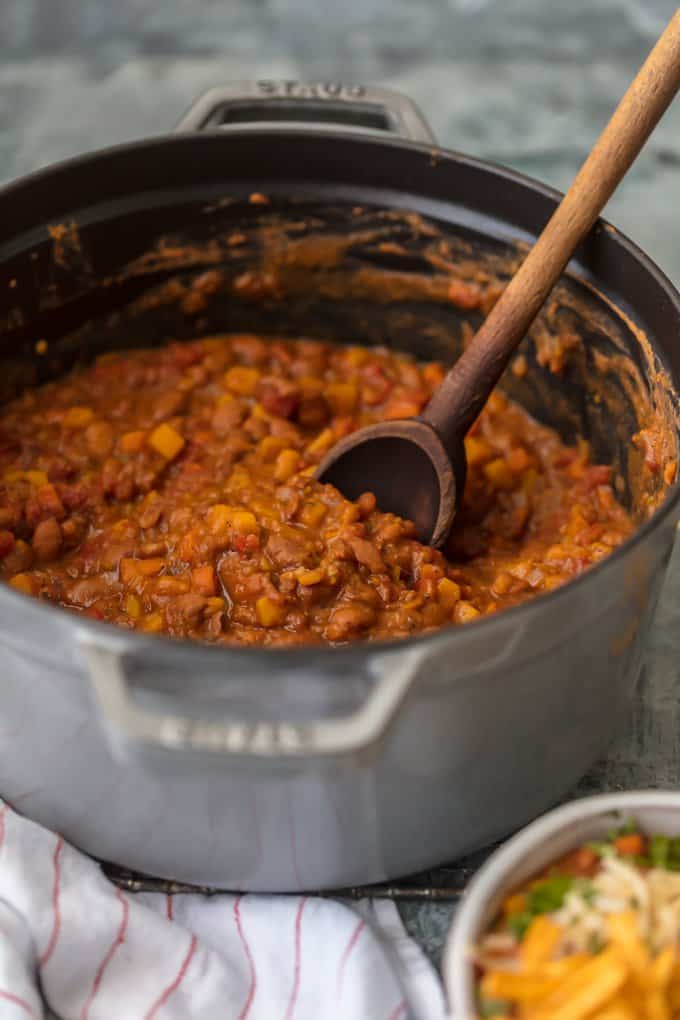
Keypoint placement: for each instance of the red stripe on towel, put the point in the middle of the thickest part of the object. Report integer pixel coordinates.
(174, 985)
(292, 1002)
(119, 939)
(18, 1002)
(56, 923)
(354, 938)
(249, 957)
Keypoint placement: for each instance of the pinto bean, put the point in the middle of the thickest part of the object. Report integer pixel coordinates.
(287, 551)
(186, 609)
(227, 416)
(99, 437)
(349, 621)
(366, 553)
(278, 396)
(86, 592)
(47, 539)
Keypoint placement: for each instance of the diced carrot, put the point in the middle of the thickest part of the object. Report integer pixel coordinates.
(133, 607)
(503, 582)
(499, 474)
(153, 623)
(449, 592)
(287, 464)
(477, 450)
(36, 478)
(632, 845)
(269, 613)
(323, 441)
(431, 570)
(171, 586)
(167, 441)
(131, 569)
(465, 611)
(241, 379)
(514, 904)
(270, 447)
(218, 518)
(244, 522)
(342, 397)
(132, 442)
(356, 356)
(310, 577)
(312, 513)
(203, 580)
(24, 583)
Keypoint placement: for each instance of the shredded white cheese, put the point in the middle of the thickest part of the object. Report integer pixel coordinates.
(653, 896)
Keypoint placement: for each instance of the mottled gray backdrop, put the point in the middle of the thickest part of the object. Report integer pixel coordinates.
(525, 82)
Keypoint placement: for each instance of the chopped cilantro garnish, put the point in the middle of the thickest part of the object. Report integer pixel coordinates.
(674, 854)
(659, 851)
(627, 828)
(493, 1007)
(601, 848)
(549, 894)
(544, 897)
(518, 924)
(584, 887)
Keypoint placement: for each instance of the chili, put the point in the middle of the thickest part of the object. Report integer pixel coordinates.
(169, 490)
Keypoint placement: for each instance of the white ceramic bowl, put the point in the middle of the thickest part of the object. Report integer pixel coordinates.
(527, 853)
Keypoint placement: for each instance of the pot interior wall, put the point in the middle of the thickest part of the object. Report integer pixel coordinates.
(150, 272)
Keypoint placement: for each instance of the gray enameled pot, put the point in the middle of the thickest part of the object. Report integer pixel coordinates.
(317, 767)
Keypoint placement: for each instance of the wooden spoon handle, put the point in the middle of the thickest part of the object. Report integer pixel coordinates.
(462, 394)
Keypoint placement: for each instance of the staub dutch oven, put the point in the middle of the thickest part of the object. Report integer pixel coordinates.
(324, 767)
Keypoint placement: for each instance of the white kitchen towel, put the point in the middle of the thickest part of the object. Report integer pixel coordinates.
(74, 946)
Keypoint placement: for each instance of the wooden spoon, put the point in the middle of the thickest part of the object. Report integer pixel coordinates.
(416, 466)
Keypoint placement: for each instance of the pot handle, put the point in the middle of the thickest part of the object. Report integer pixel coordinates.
(327, 106)
(166, 726)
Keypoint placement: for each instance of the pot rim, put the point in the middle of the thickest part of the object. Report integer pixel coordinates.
(133, 642)
(496, 875)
